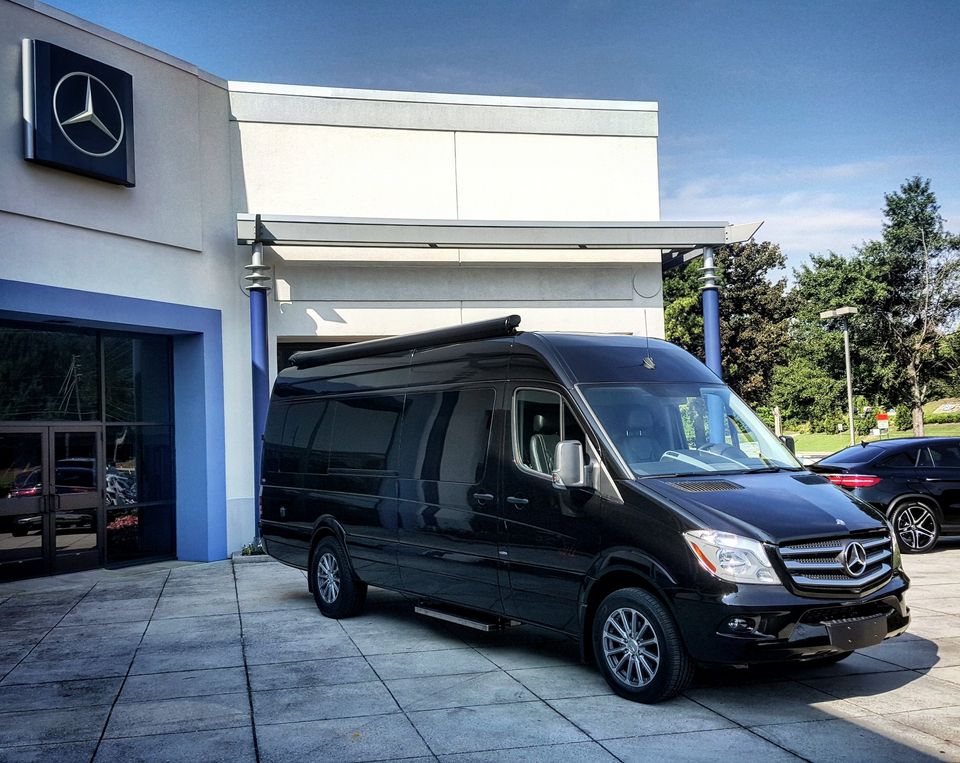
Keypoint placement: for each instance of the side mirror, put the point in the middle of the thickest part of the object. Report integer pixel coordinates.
(788, 441)
(570, 470)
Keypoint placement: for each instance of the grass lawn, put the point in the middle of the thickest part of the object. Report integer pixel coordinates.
(830, 443)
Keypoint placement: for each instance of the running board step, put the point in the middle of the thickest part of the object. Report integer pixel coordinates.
(467, 619)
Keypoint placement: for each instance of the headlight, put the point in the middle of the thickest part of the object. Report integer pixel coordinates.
(894, 548)
(731, 557)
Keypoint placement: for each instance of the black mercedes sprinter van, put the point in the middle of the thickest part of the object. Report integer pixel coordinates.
(608, 487)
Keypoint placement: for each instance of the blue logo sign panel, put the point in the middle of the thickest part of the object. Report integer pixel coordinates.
(78, 113)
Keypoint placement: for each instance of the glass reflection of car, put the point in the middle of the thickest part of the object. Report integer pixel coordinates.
(915, 482)
(73, 475)
(27, 483)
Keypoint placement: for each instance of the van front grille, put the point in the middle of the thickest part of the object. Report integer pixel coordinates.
(820, 565)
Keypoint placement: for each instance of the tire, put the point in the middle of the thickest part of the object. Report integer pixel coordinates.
(336, 590)
(638, 648)
(916, 526)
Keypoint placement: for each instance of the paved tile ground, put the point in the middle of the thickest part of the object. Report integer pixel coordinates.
(224, 662)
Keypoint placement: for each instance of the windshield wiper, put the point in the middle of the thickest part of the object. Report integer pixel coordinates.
(760, 469)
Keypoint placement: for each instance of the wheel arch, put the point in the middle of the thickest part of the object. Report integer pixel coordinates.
(615, 574)
(929, 501)
(325, 527)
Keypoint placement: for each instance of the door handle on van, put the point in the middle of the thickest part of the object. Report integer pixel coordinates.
(482, 498)
(517, 501)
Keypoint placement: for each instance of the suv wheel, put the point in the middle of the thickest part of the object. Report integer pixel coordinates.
(638, 647)
(337, 592)
(916, 527)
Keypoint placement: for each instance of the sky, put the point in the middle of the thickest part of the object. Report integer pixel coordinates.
(802, 113)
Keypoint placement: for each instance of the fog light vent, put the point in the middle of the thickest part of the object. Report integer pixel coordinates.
(741, 625)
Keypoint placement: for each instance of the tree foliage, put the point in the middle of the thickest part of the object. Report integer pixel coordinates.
(916, 265)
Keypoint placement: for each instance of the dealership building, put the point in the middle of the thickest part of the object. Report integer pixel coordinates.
(171, 238)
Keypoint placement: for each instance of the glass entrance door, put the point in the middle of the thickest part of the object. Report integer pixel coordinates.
(23, 503)
(75, 508)
(51, 512)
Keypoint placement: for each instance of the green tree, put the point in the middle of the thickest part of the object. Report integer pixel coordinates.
(916, 266)
(811, 386)
(753, 315)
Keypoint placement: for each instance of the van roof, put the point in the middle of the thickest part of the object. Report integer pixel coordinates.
(619, 358)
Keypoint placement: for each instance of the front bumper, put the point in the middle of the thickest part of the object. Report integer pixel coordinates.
(783, 626)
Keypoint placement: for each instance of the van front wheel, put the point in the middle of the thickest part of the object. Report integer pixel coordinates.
(337, 592)
(638, 647)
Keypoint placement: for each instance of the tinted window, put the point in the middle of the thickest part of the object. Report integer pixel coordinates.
(906, 459)
(946, 456)
(48, 375)
(446, 434)
(304, 431)
(365, 433)
(856, 454)
(136, 378)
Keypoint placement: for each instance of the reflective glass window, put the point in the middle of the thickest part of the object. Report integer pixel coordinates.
(48, 375)
(139, 464)
(136, 378)
(446, 434)
(365, 433)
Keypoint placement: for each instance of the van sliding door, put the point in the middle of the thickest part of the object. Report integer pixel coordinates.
(448, 509)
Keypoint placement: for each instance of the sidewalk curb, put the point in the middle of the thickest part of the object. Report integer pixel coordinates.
(237, 558)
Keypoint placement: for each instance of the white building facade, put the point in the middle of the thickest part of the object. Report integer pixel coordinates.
(127, 433)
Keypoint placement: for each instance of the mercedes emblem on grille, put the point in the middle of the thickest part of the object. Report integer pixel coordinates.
(855, 559)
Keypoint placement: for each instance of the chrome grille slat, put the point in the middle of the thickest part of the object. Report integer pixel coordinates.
(819, 564)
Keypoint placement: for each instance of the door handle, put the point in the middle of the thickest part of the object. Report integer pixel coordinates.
(517, 501)
(932, 479)
(482, 497)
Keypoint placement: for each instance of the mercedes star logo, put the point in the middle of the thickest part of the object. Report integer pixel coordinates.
(855, 559)
(88, 114)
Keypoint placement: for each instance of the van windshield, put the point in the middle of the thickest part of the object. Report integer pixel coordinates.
(681, 429)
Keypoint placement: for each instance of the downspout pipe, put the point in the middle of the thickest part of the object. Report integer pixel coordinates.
(258, 284)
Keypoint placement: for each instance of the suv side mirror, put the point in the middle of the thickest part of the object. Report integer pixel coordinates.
(788, 441)
(570, 470)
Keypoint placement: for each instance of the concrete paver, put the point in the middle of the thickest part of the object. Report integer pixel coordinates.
(232, 662)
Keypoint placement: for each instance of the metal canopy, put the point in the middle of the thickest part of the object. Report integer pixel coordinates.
(674, 239)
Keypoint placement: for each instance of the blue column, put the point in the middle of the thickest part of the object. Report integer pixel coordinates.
(261, 379)
(260, 364)
(711, 314)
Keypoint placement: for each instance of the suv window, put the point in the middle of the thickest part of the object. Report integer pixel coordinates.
(541, 420)
(906, 459)
(946, 456)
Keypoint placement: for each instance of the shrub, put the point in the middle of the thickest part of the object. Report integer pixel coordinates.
(903, 420)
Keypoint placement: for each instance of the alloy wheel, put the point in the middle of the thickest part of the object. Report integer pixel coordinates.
(916, 527)
(630, 647)
(328, 578)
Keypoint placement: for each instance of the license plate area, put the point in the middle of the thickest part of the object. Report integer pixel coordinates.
(857, 632)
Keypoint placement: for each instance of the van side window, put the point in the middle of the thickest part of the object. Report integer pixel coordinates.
(446, 435)
(541, 420)
(305, 430)
(366, 433)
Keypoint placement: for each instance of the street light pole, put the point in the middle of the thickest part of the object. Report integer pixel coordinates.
(842, 313)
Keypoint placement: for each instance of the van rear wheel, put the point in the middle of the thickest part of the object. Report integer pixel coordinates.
(336, 590)
(638, 648)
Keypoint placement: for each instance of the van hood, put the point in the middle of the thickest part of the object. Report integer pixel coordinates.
(776, 507)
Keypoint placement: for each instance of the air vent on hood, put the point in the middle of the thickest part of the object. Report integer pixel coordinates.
(707, 486)
(810, 479)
